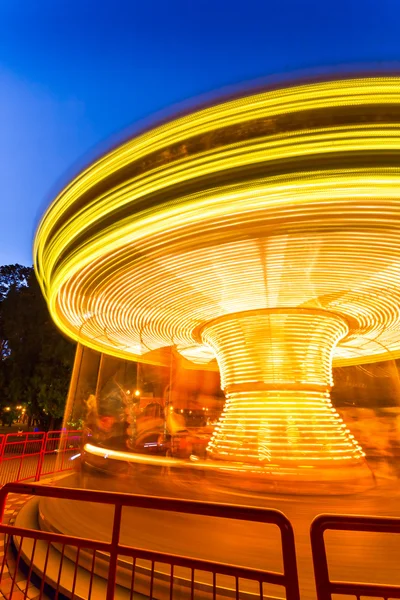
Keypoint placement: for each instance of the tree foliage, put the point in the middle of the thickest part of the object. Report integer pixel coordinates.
(36, 360)
(11, 277)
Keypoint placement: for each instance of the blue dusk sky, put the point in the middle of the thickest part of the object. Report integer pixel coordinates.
(74, 74)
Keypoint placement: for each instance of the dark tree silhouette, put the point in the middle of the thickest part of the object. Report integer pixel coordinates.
(11, 277)
(36, 360)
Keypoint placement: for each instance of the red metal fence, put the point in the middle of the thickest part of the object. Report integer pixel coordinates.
(111, 567)
(325, 587)
(25, 456)
(87, 568)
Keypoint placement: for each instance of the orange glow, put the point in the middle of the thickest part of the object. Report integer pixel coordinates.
(276, 372)
(263, 232)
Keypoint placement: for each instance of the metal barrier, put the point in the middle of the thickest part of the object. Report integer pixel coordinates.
(25, 456)
(75, 565)
(60, 554)
(326, 587)
(58, 448)
(20, 457)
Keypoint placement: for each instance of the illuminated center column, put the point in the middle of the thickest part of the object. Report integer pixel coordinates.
(276, 371)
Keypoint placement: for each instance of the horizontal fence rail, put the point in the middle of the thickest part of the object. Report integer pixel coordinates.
(58, 449)
(327, 588)
(25, 456)
(130, 570)
(78, 567)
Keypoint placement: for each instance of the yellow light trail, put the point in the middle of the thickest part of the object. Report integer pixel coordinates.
(263, 231)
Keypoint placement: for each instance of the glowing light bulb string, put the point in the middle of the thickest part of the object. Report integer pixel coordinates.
(260, 203)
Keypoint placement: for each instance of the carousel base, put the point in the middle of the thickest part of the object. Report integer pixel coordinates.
(300, 482)
(271, 479)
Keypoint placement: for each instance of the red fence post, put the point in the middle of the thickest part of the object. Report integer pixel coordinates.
(320, 562)
(62, 447)
(325, 587)
(22, 457)
(41, 458)
(290, 561)
(2, 446)
(112, 570)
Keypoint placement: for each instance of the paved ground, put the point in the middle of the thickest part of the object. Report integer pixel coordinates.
(353, 556)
